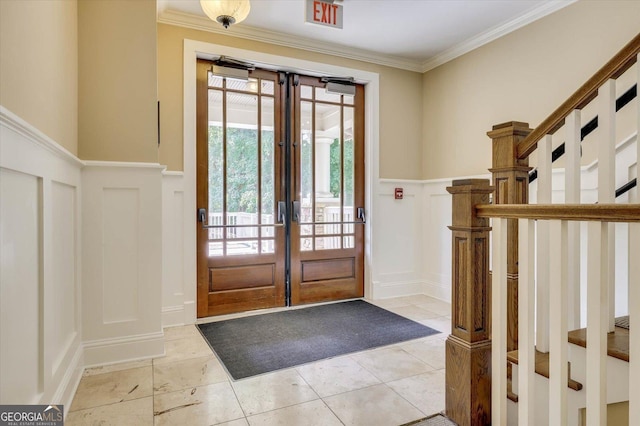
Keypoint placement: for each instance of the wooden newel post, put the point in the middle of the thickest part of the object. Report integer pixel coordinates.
(468, 348)
(511, 181)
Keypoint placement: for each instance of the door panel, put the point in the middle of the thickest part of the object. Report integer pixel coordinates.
(240, 242)
(280, 192)
(327, 239)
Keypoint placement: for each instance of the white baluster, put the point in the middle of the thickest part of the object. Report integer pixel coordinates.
(544, 197)
(572, 196)
(499, 323)
(558, 345)
(597, 324)
(526, 310)
(607, 178)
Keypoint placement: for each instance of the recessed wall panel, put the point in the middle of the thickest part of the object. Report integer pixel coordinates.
(64, 283)
(120, 254)
(20, 288)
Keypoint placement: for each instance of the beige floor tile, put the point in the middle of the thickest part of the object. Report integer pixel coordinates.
(239, 422)
(92, 371)
(110, 388)
(417, 299)
(181, 349)
(414, 313)
(138, 412)
(390, 303)
(438, 306)
(375, 405)
(205, 405)
(188, 373)
(391, 363)
(337, 375)
(442, 324)
(272, 391)
(181, 332)
(430, 351)
(314, 413)
(426, 391)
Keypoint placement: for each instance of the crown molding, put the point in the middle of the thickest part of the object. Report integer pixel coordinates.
(494, 33)
(187, 20)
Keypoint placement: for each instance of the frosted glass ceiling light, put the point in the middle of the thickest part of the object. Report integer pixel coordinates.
(226, 12)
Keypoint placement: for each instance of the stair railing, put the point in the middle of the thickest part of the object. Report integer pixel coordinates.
(476, 371)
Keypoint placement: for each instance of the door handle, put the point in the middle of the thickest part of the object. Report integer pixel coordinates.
(282, 211)
(361, 214)
(296, 211)
(202, 216)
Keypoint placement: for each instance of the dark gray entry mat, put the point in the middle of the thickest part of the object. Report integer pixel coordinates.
(263, 343)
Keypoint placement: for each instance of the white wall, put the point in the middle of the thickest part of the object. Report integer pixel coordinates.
(40, 328)
(121, 261)
(398, 251)
(178, 292)
(81, 264)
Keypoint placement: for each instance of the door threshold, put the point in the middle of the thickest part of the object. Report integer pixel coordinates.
(225, 317)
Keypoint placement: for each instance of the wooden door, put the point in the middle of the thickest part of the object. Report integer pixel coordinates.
(280, 192)
(327, 232)
(240, 236)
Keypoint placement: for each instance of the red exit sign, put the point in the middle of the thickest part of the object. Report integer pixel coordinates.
(324, 12)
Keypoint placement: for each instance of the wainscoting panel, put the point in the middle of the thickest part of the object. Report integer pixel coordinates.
(64, 292)
(397, 260)
(121, 248)
(21, 293)
(40, 347)
(437, 238)
(122, 261)
(177, 305)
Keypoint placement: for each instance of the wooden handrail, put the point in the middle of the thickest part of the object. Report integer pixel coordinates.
(573, 212)
(621, 62)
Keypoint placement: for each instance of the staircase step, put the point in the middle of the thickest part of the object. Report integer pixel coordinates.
(542, 367)
(617, 342)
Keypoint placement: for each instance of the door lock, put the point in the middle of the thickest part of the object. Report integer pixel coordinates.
(282, 211)
(202, 216)
(296, 211)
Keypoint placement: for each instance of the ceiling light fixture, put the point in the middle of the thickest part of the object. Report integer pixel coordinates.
(226, 12)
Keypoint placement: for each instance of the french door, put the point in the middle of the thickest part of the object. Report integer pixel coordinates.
(280, 191)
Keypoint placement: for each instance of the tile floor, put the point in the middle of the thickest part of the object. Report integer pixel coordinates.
(391, 385)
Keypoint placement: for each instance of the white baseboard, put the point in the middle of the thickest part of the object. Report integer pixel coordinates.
(190, 314)
(111, 351)
(172, 316)
(397, 289)
(438, 291)
(67, 388)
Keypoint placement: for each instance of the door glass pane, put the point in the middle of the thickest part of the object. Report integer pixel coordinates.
(215, 248)
(216, 170)
(242, 172)
(267, 87)
(214, 80)
(328, 172)
(306, 244)
(306, 92)
(348, 169)
(349, 242)
(267, 166)
(322, 95)
(306, 163)
(328, 243)
(250, 85)
(347, 100)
